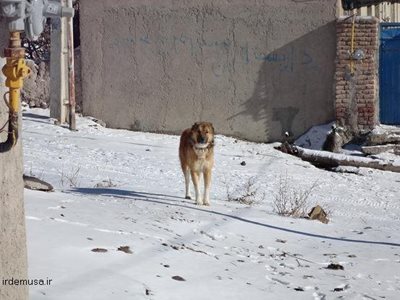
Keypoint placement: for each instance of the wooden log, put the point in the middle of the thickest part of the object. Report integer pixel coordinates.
(382, 137)
(326, 159)
(36, 184)
(373, 150)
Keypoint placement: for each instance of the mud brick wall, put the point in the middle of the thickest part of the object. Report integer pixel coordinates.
(356, 89)
(254, 68)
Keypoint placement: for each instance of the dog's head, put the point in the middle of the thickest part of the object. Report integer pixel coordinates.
(202, 134)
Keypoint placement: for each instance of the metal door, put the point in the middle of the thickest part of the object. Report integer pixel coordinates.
(389, 74)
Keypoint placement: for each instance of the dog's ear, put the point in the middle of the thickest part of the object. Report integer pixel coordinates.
(213, 133)
(212, 127)
(195, 126)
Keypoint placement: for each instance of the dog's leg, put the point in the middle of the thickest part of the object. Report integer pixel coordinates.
(195, 179)
(187, 183)
(207, 186)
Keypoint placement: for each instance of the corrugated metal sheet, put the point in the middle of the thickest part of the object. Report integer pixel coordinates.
(389, 74)
(353, 4)
(385, 12)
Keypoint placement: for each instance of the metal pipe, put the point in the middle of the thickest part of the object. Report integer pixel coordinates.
(15, 71)
(71, 70)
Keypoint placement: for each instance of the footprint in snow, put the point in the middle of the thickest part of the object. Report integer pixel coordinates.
(341, 288)
(99, 250)
(333, 266)
(125, 249)
(148, 292)
(178, 278)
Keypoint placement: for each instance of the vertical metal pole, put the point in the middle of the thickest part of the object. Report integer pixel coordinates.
(71, 71)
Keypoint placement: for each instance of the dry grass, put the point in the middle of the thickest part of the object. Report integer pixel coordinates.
(105, 184)
(244, 194)
(291, 201)
(70, 178)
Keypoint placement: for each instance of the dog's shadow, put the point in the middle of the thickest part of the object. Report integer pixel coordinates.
(134, 195)
(170, 200)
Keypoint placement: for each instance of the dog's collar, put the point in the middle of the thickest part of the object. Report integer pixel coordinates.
(209, 146)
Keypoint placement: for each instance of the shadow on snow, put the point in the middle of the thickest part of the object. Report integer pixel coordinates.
(181, 202)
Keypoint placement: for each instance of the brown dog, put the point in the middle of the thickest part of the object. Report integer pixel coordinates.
(196, 153)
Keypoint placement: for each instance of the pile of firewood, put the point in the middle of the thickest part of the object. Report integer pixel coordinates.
(376, 143)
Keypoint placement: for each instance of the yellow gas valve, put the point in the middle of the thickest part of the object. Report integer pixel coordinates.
(15, 71)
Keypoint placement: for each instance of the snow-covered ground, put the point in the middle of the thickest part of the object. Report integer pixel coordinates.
(116, 188)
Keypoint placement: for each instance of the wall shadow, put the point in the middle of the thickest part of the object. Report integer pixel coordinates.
(294, 90)
(188, 204)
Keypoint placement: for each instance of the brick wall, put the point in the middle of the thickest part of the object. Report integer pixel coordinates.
(356, 88)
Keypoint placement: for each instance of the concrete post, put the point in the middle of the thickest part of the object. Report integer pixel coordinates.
(13, 255)
(59, 92)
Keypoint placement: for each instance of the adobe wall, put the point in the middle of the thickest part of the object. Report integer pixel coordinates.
(254, 68)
